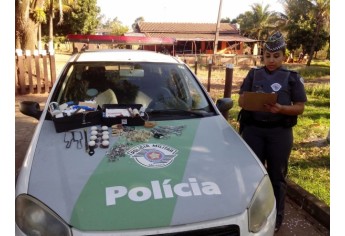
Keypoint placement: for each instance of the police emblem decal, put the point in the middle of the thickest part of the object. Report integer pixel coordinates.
(153, 155)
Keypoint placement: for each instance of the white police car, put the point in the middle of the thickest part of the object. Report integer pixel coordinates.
(130, 143)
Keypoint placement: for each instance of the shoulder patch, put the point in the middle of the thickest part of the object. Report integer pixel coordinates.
(301, 79)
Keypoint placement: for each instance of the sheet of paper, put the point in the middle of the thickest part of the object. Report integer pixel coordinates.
(116, 112)
(253, 101)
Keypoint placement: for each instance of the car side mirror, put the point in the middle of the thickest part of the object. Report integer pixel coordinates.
(30, 108)
(224, 104)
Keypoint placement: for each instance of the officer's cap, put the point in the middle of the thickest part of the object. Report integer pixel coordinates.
(275, 42)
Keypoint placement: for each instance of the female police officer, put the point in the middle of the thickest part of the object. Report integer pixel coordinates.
(269, 132)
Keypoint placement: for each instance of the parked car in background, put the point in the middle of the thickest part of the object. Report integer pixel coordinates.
(130, 143)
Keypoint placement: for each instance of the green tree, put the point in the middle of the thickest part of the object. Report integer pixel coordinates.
(116, 26)
(136, 22)
(32, 16)
(84, 18)
(320, 18)
(260, 22)
(28, 16)
(52, 8)
(59, 28)
(308, 25)
(225, 20)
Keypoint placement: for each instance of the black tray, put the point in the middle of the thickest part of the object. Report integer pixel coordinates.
(76, 121)
(124, 120)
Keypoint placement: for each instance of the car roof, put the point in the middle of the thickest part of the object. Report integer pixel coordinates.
(123, 55)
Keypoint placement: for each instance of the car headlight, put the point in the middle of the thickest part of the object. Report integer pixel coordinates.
(261, 205)
(34, 218)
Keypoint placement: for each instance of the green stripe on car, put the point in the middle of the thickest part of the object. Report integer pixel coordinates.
(127, 195)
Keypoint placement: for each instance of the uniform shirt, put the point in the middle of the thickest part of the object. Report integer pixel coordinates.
(286, 83)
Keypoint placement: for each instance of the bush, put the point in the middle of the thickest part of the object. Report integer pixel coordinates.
(56, 39)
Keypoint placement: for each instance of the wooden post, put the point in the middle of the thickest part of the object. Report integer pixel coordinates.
(45, 71)
(16, 77)
(28, 60)
(209, 75)
(21, 69)
(196, 66)
(228, 80)
(52, 67)
(38, 72)
(228, 85)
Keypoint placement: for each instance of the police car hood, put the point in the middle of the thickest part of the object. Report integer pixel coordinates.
(205, 173)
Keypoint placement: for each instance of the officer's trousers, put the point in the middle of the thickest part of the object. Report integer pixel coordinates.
(273, 147)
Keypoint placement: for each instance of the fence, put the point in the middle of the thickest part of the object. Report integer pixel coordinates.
(34, 72)
(222, 60)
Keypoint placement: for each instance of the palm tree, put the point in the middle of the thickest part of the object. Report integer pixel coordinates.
(320, 14)
(61, 6)
(260, 22)
(261, 19)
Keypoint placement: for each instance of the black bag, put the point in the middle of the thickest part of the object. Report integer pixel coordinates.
(244, 117)
(290, 121)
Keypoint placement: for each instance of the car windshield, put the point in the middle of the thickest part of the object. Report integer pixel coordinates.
(156, 86)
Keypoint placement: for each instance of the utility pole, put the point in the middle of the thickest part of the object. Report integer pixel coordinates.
(217, 29)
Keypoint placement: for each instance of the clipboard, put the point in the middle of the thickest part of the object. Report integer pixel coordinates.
(253, 101)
